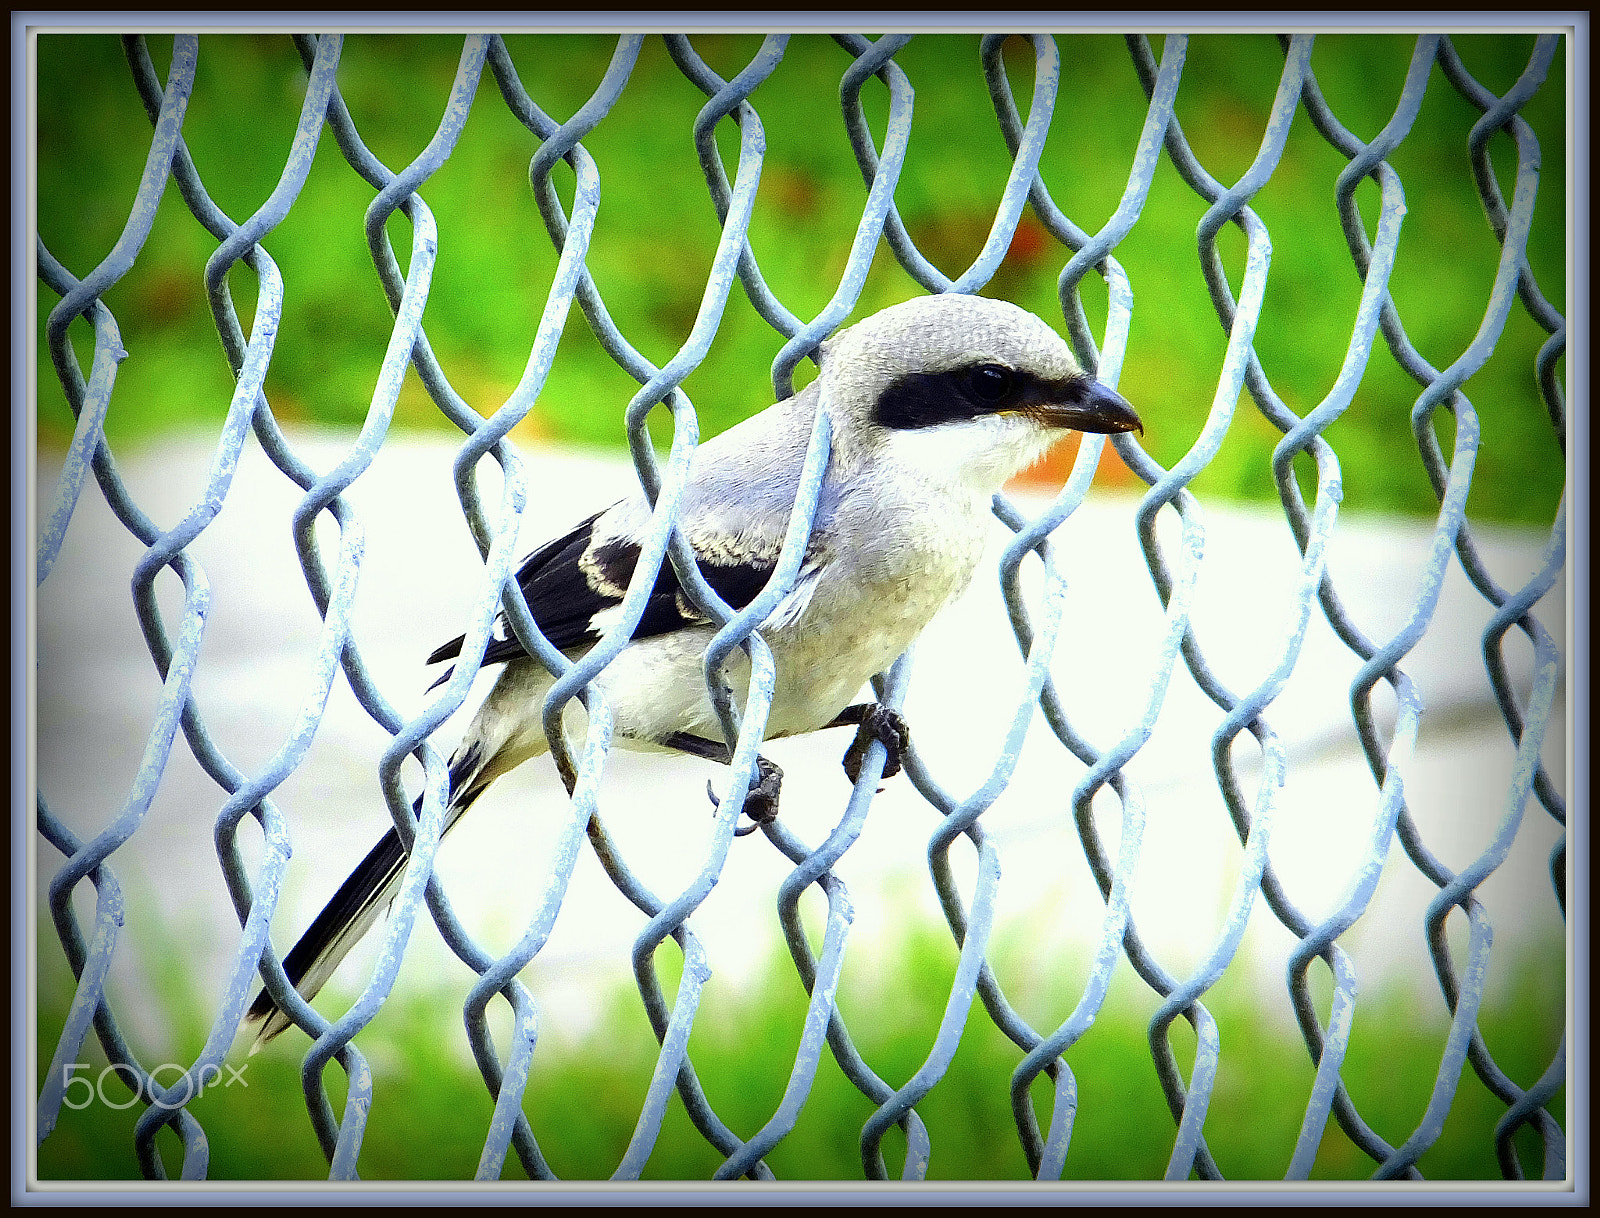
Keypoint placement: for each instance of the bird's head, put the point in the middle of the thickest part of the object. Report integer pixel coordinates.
(961, 388)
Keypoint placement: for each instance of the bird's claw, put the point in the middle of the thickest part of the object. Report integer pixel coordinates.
(761, 802)
(884, 725)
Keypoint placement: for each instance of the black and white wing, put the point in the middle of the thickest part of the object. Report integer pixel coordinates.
(575, 585)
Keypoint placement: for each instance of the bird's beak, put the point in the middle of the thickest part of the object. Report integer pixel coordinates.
(1096, 407)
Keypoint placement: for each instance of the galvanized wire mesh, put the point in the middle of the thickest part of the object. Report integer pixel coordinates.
(1171, 532)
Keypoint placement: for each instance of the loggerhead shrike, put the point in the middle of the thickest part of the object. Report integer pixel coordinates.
(933, 405)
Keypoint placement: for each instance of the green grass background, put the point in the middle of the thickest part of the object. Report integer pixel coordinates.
(657, 231)
(431, 1110)
(653, 245)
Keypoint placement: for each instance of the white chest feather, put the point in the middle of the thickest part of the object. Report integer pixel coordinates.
(852, 612)
(859, 609)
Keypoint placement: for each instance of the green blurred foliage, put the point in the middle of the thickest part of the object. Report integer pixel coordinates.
(657, 233)
(431, 1110)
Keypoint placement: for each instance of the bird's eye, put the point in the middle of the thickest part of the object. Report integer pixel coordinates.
(989, 383)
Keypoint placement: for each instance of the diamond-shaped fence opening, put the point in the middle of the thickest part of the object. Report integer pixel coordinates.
(1244, 726)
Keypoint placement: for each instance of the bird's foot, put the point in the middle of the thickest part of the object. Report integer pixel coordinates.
(878, 722)
(761, 802)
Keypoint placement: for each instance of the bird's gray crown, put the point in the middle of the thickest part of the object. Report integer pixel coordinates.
(939, 333)
(937, 360)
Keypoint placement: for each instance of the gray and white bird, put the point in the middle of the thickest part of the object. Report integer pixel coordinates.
(933, 405)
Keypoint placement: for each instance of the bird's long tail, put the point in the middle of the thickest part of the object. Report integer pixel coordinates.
(347, 917)
(506, 731)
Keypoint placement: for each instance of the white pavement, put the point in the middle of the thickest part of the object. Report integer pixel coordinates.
(97, 689)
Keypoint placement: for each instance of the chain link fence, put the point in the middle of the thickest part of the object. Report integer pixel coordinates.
(1095, 750)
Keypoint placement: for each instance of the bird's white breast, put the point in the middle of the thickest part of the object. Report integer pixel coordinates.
(854, 610)
(868, 603)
